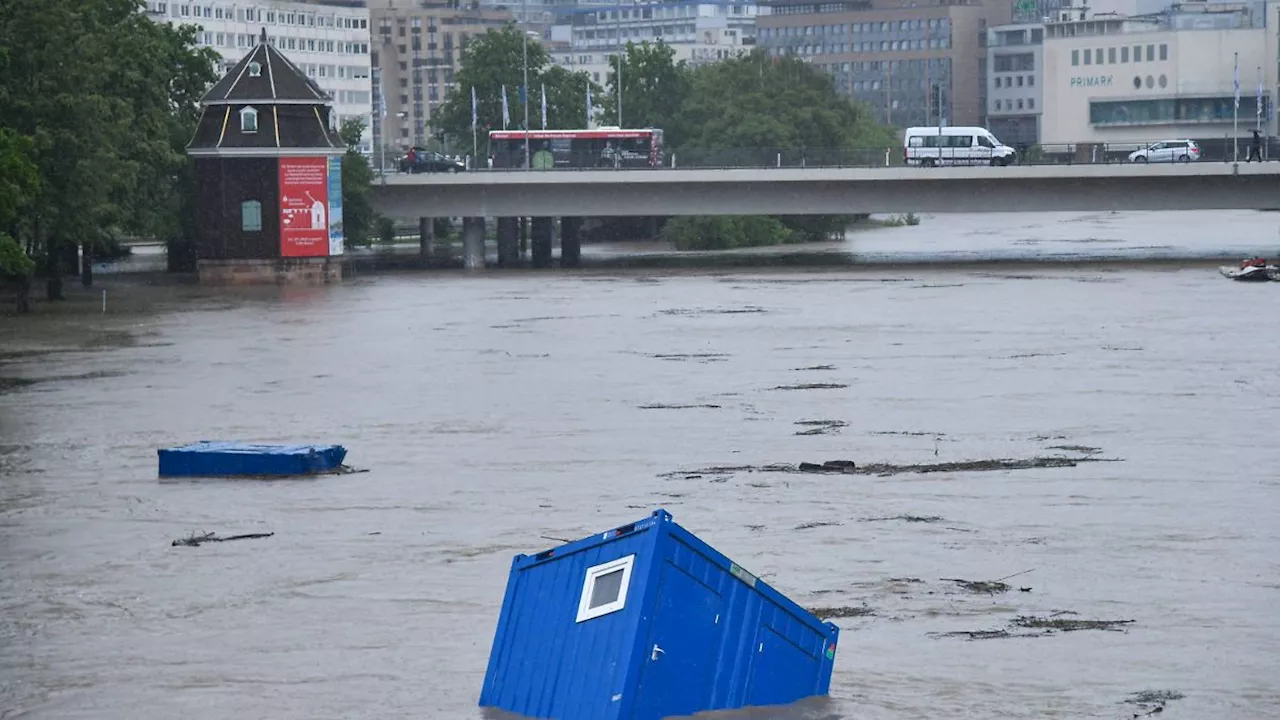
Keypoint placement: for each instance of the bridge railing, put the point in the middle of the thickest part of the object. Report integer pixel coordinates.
(1090, 153)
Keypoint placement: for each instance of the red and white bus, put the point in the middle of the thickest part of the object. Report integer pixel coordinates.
(602, 147)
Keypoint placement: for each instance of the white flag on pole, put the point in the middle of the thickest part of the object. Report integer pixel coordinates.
(475, 115)
(544, 107)
(588, 104)
(1258, 110)
(506, 114)
(1237, 80)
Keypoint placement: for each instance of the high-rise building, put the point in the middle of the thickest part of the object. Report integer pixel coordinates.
(417, 50)
(327, 39)
(911, 63)
(587, 37)
(1015, 82)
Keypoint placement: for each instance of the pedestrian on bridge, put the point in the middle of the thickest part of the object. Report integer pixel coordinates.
(1255, 147)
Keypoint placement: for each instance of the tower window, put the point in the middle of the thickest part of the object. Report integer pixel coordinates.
(249, 120)
(251, 216)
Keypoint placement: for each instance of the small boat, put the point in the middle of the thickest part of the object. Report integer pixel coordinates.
(236, 459)
(1253, 269)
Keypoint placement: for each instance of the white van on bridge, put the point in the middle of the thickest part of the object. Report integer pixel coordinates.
(954, 145)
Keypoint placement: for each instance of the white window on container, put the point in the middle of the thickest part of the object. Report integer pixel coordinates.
(249, 120)
(604, 590)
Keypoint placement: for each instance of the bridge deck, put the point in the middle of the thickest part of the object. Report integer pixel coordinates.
(796, 191)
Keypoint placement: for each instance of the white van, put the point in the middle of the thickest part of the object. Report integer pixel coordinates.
(926, 147)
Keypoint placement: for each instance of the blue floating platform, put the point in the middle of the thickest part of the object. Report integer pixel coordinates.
(235, 459)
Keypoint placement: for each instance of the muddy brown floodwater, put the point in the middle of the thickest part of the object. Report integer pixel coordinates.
(495, 411)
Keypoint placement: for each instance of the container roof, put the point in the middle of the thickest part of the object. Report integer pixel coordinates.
(265, 76)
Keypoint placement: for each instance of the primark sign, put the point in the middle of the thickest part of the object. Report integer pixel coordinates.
(1091, 81)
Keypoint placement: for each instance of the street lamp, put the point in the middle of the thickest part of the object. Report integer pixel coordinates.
(524, 50)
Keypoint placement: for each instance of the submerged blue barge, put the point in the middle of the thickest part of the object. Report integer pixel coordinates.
(646, 621)
(225, 459)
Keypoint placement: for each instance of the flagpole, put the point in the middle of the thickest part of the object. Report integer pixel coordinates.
(1235, 115)
(475, 145)
(524, 33)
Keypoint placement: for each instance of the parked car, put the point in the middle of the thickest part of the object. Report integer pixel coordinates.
(419, 160)
(1167, 151)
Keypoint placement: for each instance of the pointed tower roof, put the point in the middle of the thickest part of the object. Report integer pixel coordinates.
(264, 76)
(266, 107)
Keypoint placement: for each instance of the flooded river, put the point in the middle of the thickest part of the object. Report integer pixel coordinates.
(498, 410)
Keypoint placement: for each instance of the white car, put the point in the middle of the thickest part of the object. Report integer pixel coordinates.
(1167, 151)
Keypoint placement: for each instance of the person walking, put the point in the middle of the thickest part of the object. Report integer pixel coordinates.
(1255, 147)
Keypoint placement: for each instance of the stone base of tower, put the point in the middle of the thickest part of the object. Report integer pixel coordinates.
(282, 271)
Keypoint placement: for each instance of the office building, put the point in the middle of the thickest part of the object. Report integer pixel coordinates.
(586, 38)
(326, 39)
(417, 50)
(911, 63)
(1014, 68)
(1117, 79)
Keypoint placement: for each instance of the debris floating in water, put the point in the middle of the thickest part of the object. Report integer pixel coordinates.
(849, 467)
(236, 459)
(198, 540)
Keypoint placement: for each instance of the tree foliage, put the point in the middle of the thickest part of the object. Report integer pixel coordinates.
(753, 105)
(494, 60)
(357, 179)
(723, 232)
(654, 87)
(109, 100)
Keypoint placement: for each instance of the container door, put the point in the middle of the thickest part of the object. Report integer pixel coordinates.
(781, 672)
(680, 662)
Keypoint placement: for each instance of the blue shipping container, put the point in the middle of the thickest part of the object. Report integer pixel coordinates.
(220, 459)
(646, 621)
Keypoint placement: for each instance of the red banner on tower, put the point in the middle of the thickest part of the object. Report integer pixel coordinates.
(304, 207)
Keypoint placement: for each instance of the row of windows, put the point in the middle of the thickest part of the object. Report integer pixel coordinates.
(639, 32)
(1096, 56)
(252, 14)
(1028, 104)
(244, 40)
(1008, 81)
(1179, 110)
(854, 28)
(839, 48)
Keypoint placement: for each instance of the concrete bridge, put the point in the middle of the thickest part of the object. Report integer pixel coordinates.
(572, 195)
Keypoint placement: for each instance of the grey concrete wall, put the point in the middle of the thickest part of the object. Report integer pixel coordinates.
(795, 191)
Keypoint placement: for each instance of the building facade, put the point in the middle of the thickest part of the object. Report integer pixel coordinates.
(912, 64)
(1167, 76)
(1015, 79)
(417, 50)
(327, 39)
(586, 38)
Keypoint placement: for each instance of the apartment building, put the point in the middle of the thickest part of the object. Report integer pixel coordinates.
(327, 39)
(1171, 75)
(586, 38)
(417, 51)
(912, 63)
(1015, 82)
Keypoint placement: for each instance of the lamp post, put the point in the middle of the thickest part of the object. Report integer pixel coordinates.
(524, 50)
(621, 49)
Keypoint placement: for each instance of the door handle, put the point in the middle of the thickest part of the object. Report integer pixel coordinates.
(656, 652)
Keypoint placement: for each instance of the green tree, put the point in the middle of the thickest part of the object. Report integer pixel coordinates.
(654, 88)
(757, 105)
(109, 99)
(19, 181)
(357, 178)
(494, 60)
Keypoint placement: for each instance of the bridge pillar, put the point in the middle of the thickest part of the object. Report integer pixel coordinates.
(540, 240)
(524, 235)
(508, 241)
(570, 241)
(473, 242)
(426, 236)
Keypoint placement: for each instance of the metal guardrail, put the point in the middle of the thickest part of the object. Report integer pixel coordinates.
(1219, 150)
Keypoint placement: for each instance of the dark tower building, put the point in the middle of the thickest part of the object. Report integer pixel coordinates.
(268, 166)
